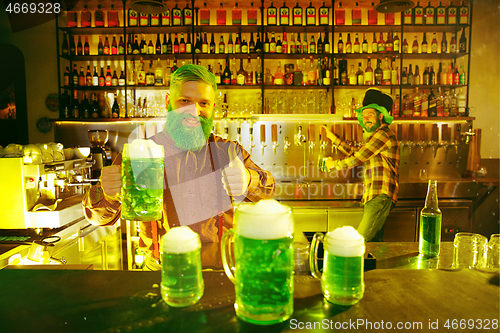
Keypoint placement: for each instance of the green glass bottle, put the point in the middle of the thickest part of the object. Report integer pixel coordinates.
(430, 223)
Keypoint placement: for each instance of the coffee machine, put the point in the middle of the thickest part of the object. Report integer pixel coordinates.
(101, 154)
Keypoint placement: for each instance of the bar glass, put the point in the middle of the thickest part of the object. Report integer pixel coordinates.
(469, 250)
(261, 267)
(142, 181)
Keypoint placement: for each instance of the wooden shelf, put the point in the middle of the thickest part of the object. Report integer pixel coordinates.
(94, 31)
(434, 28)
(366, 28)
(426, 56)
(366, 55)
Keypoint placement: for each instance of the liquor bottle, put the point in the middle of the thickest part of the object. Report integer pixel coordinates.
(177, 16)
(395, 42)
(204, 15)
(170, 46)
(453, 43)
(404, 77)
(389, 18)
(72, 17)
(95, 78)
(187, 15)
(298, 44)
(405, 46)
(461, 79)
(67, 77)
(424, 44)
(75, 112)
(292, 46)
(335, 72)
(222, 45)
(449, 75)
(356, 15)
(88, 78)
(141, 74)
(409, 76)
(114, 46)
(218, 75)
(252, 15)
(121, 80)
(430, 223)
(326, 43)
(360, 75)
(372, 15)
(414, 47)
(464, 14)
(417, 104)
(86, 17)
(272, 44)
(121, 46)
(271, 15)
(386, 73)
(131, 74)
(453, 104)
(244, 45)
(394, 75)
(324, 15)
(204, 45)
(389, 44)
(165, 17)
(212, 44)
(446, 104)
(430, 15)
(154, 19)
(79, 46)
(132, 18)
(115, 110)
(108, 77)
(432, 76)
(443, 77)
(251, 44)
(343, 72)
(374, 44)
(65, 45)
(221, 15)
(136, 48)
(352, 78)
(236, 15)
(424, 105)
(340, 44)
(462, 104)
(356, 47)
(237, 44)
(240, 75)
(444, 44)
(249, 73)
(114, 79)
(284, 15)
(416, 76)
(182, 44)
(311, 73)
(418, 11)
(96, 112)
(158, 77)
(368, 73)
(297, 15)
(106, 49)
(378, 74)
(381, 43)
(348, 44)
(85, 107)
(150, 75)
(462, 43)
(425, 75)
(434, 44)
(440, 14)
(408, 16)
(226, 75)
(312, 46)
(230, 46)
(163, 46)
(150, 47)
(99, 17)
(305, 45)
(285, 44)
(81, 78)
(176, 44)
(143, 19)
(258, 72)
(432, 104)
(340, 15)
(310, 15)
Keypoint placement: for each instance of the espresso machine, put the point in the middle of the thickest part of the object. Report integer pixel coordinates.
(101, 154)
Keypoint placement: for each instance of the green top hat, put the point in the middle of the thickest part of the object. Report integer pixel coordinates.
(376, 99)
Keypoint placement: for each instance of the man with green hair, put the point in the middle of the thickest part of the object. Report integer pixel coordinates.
(204, 174)
(380, 157)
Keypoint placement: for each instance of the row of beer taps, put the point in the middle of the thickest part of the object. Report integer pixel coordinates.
(410, 136)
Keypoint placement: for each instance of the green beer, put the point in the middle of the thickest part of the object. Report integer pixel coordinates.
(262, 268)
(142, 181)
(181, 278)
(343, 284)
(430, 223)
(263, 279)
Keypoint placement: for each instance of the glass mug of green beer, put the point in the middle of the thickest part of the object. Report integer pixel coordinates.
(342, 281)
(181, 279)
(262, 268)
(142, 181)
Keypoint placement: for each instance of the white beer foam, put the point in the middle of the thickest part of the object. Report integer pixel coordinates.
(266, 219)
(180, 240)
(345, 242)
(142, 148)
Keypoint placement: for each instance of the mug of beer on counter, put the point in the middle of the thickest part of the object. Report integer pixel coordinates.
(342, 281)
(142, 181)
(262, 268)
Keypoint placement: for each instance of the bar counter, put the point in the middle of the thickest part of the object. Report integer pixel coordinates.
(125, 301)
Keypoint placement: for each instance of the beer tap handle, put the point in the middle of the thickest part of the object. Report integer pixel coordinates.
(311, 137)
(286, 145)
(263, 137)
(274, 137)
(250, 138)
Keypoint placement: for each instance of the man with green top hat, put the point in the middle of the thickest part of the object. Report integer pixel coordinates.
(380, 157)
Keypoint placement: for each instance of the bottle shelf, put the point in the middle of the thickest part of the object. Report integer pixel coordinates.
(434, 28)
(272, 56)
(286, 87)
(297, 28)
(106, 88)
(226, 55)
(366, 28)
(433, 55)
(235, 86)
(227, 28)
(363, 86)
(159, 30)
(423, 86)
(156, 56)
(93, 57)
(366, 55)
(94, 31)
(430, 119)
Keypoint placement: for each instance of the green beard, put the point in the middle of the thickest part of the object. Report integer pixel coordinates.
(188, 138)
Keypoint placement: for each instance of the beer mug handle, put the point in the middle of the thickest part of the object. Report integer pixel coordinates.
(313, 255)
(225, 248)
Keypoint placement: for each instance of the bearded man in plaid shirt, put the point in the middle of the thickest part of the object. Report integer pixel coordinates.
(380, 157)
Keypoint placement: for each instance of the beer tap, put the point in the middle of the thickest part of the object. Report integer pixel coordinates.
(250, 136)
(225, 126)
(238, 130)
(421, 136)
(434, 139)
(286, 144)
(263, 137)
(348, 134)
(274, 136)
(410, 143)
(469, 134)
(399, 135)
(455, 133)
(336, 131)
(445, 137)
(311, 137)
(322, 140)
(299, 137)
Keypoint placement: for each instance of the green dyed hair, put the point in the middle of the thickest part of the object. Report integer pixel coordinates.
(191, 72)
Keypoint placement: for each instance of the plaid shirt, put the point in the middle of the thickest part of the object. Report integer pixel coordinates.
(380, 155)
